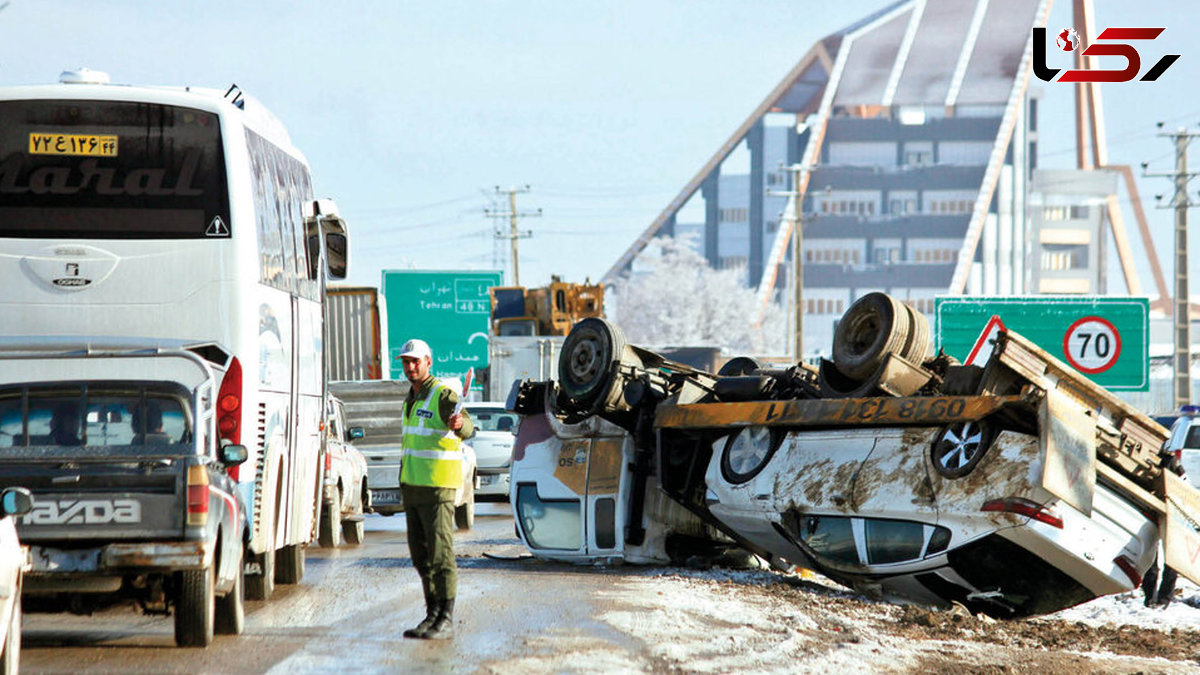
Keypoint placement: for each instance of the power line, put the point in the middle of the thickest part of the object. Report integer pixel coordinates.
(513, 234)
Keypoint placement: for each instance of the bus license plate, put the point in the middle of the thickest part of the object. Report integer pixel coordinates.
(86, 145)
(385, 496)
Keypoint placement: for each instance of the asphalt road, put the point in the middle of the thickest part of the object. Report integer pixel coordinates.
(347, 615)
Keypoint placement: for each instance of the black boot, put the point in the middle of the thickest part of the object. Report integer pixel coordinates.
(433, 609)
(443, 626)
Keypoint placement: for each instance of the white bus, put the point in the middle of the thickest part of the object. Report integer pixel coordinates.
(181, 214)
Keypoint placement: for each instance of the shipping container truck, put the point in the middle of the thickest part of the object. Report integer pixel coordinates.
(355, 334)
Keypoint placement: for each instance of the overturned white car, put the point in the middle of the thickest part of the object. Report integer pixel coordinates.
(1016, 488)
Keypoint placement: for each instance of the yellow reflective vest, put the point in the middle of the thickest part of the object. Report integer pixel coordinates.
(432, 451)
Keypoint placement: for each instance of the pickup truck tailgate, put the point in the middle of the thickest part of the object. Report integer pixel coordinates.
(111, 501)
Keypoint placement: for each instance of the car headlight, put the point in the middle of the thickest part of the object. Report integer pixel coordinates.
(747, 451)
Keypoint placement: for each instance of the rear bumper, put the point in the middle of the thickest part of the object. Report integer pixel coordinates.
(49, 563)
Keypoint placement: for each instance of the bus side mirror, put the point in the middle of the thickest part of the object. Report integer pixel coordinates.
(337, 254)
(16, 501)
(232, 455)
(355, 432)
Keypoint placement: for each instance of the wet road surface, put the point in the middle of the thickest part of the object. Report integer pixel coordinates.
(347, 614)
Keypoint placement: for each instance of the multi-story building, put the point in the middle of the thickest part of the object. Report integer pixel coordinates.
(907, 140)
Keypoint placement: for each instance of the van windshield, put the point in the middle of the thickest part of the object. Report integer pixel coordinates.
(111, 170)
(95, 418)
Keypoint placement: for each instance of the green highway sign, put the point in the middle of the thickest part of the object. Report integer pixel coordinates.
(449, 309)
(1105, 338)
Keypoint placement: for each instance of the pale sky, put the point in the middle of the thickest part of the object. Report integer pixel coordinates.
(411, 112)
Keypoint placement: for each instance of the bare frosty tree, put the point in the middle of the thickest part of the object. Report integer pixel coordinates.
(676, 299)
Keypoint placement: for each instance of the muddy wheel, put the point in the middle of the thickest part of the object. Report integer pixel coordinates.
(353, 530)
(958, 448)
(588, 353)
(290, 566)
(919, 346)
(738, 365)
(10, 658)
(875, 325)
(194, 608)
(231, 609)
(329, 534)
(261, 586)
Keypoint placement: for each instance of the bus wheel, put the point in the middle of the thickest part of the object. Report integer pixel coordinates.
(290, 567)
(261, 586)
(194, 608)
(231, 609)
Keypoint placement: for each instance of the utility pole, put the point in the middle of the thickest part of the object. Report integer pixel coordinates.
(1183, 344)
(513, 234)
(795, 217)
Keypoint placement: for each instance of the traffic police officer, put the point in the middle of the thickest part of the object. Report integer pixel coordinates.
(430, 472)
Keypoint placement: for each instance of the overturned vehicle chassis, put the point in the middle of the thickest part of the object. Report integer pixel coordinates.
(1017, 488)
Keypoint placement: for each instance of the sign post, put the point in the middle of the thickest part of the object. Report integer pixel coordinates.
(449, 309)
(1105, 338)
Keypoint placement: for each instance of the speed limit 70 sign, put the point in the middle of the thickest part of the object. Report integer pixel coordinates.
(1105, 338)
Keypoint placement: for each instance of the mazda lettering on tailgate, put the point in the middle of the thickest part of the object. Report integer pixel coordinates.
(84, 512)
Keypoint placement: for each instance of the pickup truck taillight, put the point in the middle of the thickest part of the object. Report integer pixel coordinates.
(197, 495)
(1025, 507)
(229, 407)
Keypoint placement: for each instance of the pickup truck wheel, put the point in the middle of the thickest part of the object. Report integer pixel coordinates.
(10, 658)
(588, 353)
(231, 609)
(353, 531)
(958, 448)
(290, 567)
(330, 535)
(261, 586)
(875, 325)
(194, 608)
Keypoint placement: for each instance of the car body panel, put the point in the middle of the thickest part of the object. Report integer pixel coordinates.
(346, 477)
(493, 445)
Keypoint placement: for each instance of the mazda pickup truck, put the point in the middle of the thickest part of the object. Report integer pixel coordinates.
(132, 499)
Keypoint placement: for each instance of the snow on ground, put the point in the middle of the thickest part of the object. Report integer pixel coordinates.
(721, 621)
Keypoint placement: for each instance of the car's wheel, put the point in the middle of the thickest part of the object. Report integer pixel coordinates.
(10, 658)
(918, 348)
(586, 360)
(875, 325)
(329, 534)
(231, 609)
(194, 608)
(464, 514)
(747, 451)
(353, 531)
(289, 569)
(958, 448)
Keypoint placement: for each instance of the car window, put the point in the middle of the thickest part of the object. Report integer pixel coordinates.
(492, 419)
(891, 541)
(830, 537)
(1192, 442)
(102, 416)
(549, 524)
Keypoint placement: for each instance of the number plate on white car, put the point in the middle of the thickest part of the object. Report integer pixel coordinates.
(385, 496)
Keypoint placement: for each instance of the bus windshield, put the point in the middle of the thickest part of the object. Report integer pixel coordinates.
(111, 170)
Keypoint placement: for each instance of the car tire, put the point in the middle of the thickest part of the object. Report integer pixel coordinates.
(289, 569)
(959, 447)
(231, 609)
(919, 346)
(464, 514)
(588, 354)
(353, 530)
(875, 325)
(194, 608)
(329, 534)
(10, 658)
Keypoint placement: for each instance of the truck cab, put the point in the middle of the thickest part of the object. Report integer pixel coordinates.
(133, 499)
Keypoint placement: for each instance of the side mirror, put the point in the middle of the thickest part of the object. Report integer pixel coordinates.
(474, 433)
(232, 455)
(338, 254)
(16, 501)
(354, 432)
